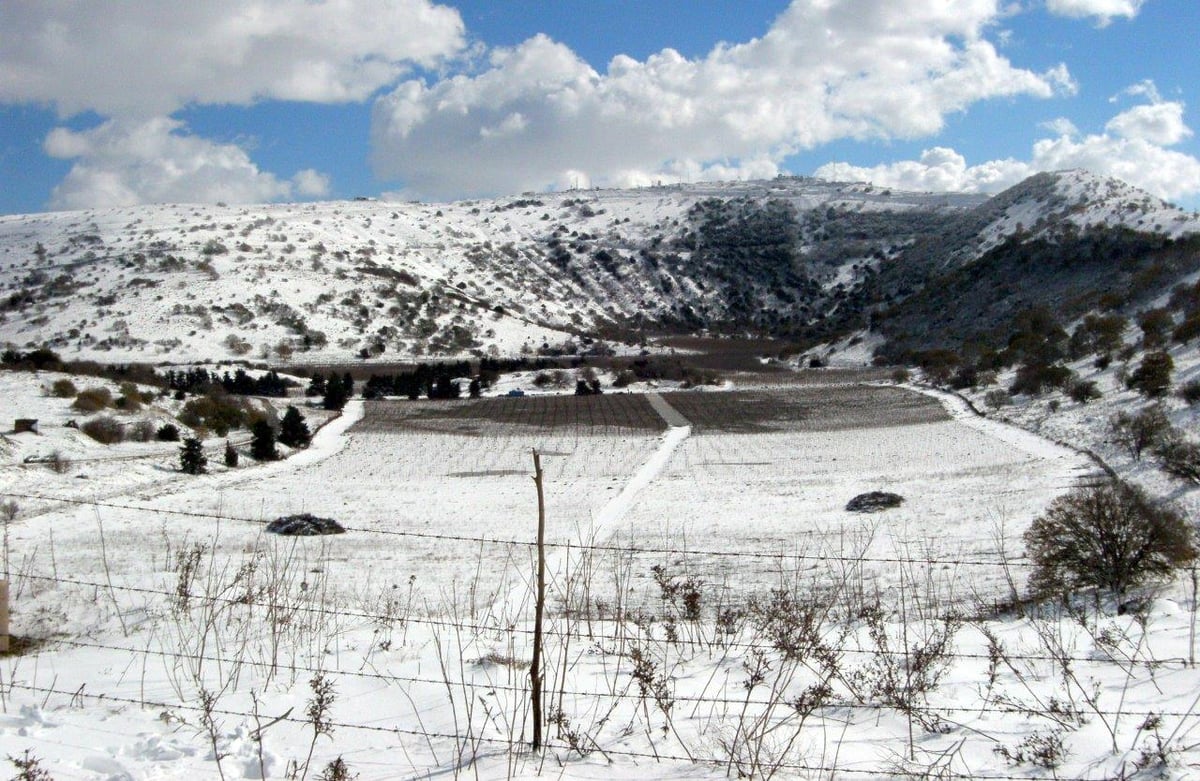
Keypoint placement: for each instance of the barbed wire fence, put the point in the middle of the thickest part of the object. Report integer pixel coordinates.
(662, 628)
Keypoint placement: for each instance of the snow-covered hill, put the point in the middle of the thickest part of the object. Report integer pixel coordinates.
(364, 279)
(1043, 204)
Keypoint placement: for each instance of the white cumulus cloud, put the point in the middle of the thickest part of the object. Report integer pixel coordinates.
(151, 57)
(1156, 123)
(939, 169)
(537, 115)
(136, 63)
(1134, 147)
(1102, 11)
(122, 163)
(311, 183)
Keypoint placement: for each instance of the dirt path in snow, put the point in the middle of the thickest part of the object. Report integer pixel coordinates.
(680, 429)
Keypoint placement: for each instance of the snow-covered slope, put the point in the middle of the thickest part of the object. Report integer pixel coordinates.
(1044, 204)
(340, 280)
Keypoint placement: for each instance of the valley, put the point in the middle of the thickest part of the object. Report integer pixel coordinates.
(749, 361)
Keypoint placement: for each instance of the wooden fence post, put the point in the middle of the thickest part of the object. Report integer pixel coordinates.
(535, 670)
(3, 616)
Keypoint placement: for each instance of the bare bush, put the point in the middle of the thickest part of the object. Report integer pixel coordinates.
(1179, 457)
(317, 712)
(106, 430)
(63, 389)
(93, 400)
(1140, 432)
(997, 398)
(1043, 749)
(58, 463)
(794, 625)
(1108, 537)
(29, 768)
(903, 677)
(336, 770)
(143, 431)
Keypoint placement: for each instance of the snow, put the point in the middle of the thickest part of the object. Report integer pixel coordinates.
(161, 282)
(1085, 200)
(141, 591)
(420, 614)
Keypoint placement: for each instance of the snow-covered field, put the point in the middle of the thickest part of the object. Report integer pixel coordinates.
(713, 609)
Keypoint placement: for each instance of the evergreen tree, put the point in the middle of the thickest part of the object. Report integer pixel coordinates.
(316, 386)
(445, 388)
(231, 455)
(335, 394)
(262, 444)
(192, 460)
(293, 431)
(475, 389)
(348, 385)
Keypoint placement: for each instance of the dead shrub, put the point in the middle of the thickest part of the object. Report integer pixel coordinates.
(63, 389)
(1179, 457)
(58, 463)
(105, 430)
(143, 431)
(93, 400)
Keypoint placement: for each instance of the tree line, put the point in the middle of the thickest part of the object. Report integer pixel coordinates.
(199, 381)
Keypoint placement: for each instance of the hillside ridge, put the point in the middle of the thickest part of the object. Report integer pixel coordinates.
(794, 257)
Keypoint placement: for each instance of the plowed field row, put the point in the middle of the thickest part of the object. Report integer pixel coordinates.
(799, 408)
(606, 415)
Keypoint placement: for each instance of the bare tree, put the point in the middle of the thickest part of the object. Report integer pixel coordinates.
(1110, 536)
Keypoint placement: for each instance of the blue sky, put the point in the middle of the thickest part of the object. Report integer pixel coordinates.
(261, 100)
